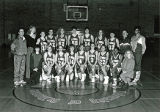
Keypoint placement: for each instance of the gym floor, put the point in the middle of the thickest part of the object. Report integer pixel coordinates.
(77, 96)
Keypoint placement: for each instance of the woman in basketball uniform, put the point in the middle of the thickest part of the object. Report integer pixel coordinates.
(115, 65)
(103, 61)
(138, 47)
(74, 39)
(51, 40)
(60, 64)
(81, 63)
(112, 42)
(71, 61)
(92, 62)
(48, 64)
(87, 39)
(61, 38)
(42, 42)
(100, 40)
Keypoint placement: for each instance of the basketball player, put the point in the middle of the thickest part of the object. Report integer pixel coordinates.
(60, 64)
(115, 65)
(42, 42)
(87, 39)
(48, 64)
(81, 63)
(103, 61)
(51, 40)
(92, 62)
(74, 39)
(61, 38)
(71, 61)
(139, 47)
(100, 40)
(112, 42)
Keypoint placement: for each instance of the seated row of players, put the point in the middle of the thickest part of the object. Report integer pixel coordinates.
(94, 63)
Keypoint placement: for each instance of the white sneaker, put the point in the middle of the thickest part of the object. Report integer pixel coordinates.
(22, 82)
(16, 83)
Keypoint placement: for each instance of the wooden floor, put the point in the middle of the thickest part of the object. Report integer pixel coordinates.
(149, 100)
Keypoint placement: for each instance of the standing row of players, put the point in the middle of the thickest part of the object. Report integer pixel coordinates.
(61, 39)
(66, 57)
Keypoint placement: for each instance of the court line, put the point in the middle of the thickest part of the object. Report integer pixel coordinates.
(79, 110)
(149, 98)
(151, 74)
(5, 70)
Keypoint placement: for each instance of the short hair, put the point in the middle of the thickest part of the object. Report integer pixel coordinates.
(86, 28)
(130, 52)
(37, 46)
(73, 27)
(137, 27)
(116, 48)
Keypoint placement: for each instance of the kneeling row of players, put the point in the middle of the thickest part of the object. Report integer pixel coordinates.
(100, 65)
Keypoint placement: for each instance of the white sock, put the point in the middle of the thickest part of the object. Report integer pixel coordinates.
(106, 80)
(67, 78)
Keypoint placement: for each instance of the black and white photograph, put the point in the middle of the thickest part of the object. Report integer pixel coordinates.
(80, 55)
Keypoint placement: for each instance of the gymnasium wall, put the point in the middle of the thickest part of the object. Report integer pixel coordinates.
(109, 15)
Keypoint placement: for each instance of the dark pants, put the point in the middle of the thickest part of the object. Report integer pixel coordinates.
(138, 59)
(29, 52)
(35, 77)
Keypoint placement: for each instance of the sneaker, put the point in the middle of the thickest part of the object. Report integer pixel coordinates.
(22, 82)
(16, 83)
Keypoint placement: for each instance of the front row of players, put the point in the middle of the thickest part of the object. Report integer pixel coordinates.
(97, 65)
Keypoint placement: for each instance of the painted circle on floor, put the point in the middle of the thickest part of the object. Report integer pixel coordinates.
(76, 96)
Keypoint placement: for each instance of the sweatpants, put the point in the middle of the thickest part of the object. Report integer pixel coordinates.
(19, 67)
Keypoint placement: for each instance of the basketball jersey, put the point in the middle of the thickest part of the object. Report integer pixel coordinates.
(92, 57)
(100, 42)
(43, 44)
(49, 59)
(115, 59)
(51, 42)
(87, 41)
(71, 59)
(74, 40)
(112, 44)
(103, 60)
(81, 58)
(61, 41)
(60, 59)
